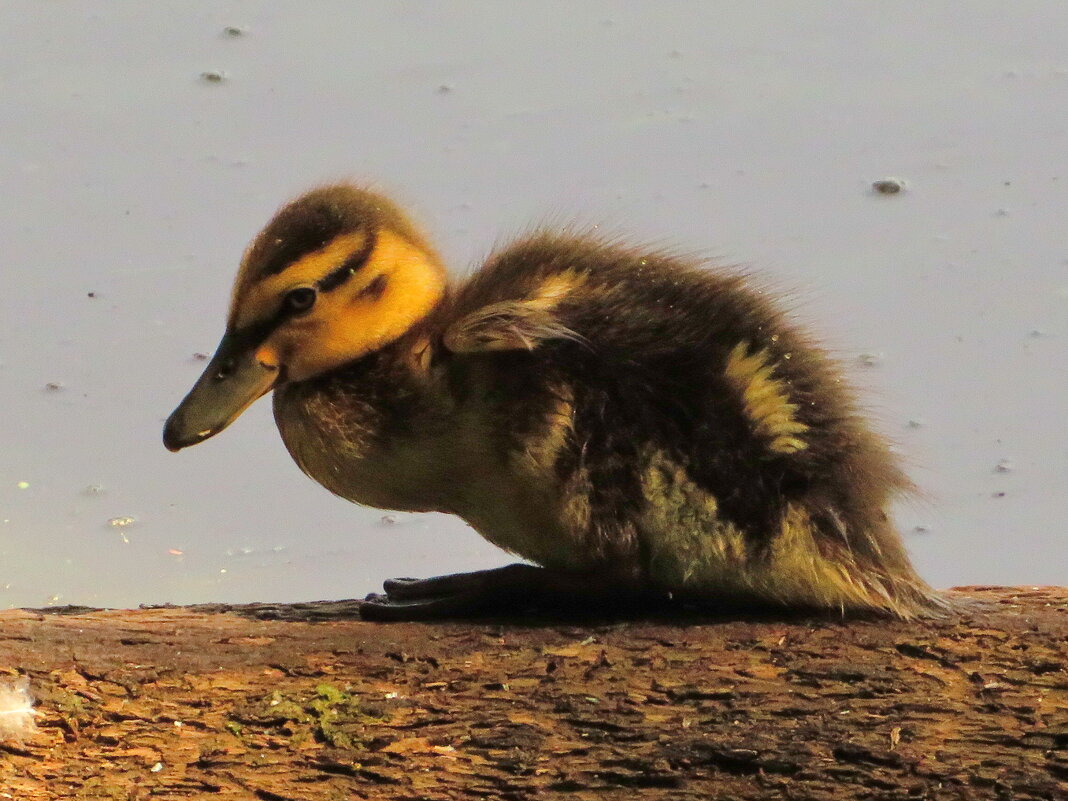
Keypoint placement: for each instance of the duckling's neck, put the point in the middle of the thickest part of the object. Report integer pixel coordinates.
(375, 430)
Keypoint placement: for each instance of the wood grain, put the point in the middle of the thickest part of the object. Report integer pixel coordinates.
(304, 702)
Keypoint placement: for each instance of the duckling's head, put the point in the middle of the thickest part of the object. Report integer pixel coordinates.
(337, 274)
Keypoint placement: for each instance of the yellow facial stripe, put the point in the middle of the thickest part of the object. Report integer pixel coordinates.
(413, 284)
(350, 322)
(766, 399)
(259, 301)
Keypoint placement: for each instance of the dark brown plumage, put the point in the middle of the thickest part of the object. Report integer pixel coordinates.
(638, 424)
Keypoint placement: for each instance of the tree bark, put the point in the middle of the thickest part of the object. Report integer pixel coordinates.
(305, 702)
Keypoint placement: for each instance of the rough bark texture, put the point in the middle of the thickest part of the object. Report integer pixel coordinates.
(218, 702)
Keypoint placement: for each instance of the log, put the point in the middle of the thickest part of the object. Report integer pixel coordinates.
(304, 702)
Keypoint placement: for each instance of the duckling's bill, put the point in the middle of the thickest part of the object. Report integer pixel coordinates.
(236, 376)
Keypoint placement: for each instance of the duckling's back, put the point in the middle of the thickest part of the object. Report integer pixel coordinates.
(687, 434)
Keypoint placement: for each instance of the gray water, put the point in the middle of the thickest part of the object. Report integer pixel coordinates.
(751, 132)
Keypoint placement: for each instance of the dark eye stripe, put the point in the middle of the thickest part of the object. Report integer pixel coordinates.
(340, 275)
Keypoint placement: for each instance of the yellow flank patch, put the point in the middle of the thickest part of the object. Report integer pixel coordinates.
(689, 544)
(542, 447)
(806, 569)
(576, 513)
(254, 301)
(691, 547)
(766, 399)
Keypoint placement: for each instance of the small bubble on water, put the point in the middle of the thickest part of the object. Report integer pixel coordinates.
(23, 485)
(389, 520)
(92, 490)
(1004, 466)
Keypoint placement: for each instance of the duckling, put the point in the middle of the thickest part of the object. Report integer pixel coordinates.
(636, 425)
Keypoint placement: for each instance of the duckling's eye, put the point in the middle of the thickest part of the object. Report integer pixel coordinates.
(300, 299)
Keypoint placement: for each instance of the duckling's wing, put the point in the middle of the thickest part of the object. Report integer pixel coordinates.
(516, 302)
(507, 325)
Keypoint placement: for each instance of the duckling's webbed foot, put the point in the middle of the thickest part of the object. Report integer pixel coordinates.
(504, 591)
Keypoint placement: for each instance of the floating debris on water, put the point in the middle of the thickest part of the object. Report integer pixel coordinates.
(233, 31)
(23, 485)
(915, 423)
(445, 88)
(122, 523)
(175, 551)
(213, 76)
(1001, 213)
(1004, 466)
(248, 550)
(92, 294)
(888, 186)
(997, 494)
(200, 357)
(93, 489)
(922, 529)
(870, 359)
(53, 386)
(388, 520)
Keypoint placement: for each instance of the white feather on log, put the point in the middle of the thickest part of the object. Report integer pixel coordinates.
(16, 711)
